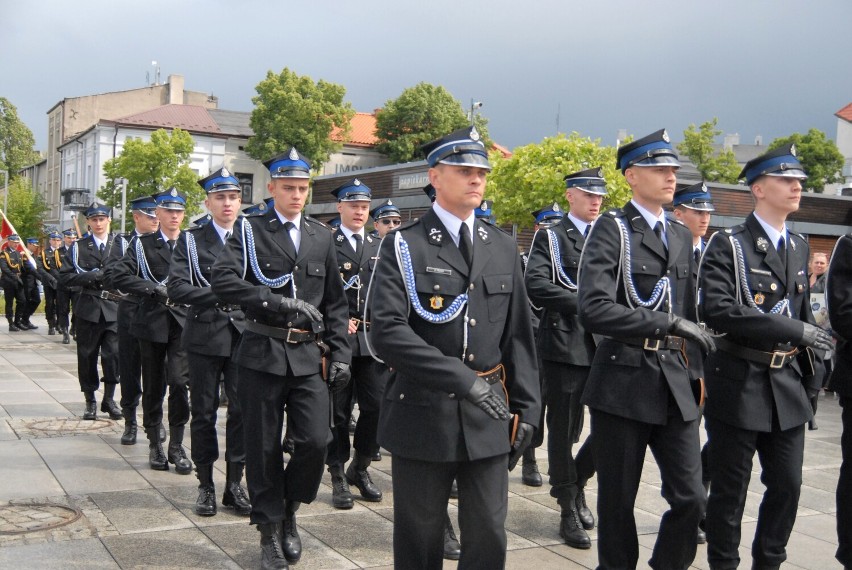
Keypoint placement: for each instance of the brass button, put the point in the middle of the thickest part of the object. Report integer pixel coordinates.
(662, 357)
(267, 265)
(502, 285)
(612, 357)
(296, 268)
(402, 396)
(265, 304)
(773, 287)
(644, 267)
(452, 395)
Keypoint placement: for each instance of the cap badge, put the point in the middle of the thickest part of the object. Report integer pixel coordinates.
(436, 302)
(390, 203)
(666, 136)
(704, 188)
(599, 173)
(173, 193)
(262, 206)
(793, 149)
(356, 182)
(225, 172)
(474, 134)
(294, 154)
(762, 244)
(556, 208)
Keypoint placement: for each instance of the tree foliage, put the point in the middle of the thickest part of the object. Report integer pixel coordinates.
(822, 160)
(26, 208)
(421, 114)
(16, 140)
(292, 110)
(151, 167)
(532, 177)
(698, 146)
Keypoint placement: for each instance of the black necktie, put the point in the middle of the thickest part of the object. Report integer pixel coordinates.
(359, 245)
(101, 249)
(465, 245)
(171, 245)
(227, 235)
(658, 229)
(586, 231)
(782, 251)
(696, 253)
(288, 239)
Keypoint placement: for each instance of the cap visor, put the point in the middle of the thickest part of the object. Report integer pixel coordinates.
(661, 160)
(467, 159)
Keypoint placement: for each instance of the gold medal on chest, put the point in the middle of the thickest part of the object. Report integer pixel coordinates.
(759, 299)
(347, 266)
(436, 302)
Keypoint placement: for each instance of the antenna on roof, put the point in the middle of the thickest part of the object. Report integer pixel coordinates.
(156, 73)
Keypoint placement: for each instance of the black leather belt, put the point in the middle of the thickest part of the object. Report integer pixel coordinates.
(494, 375)
(228, 308)
(106, 295)
(169, 303)
(293, 336)
(665, 343)
(775, 359)
(360, 322)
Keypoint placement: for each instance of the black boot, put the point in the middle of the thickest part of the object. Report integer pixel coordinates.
(272, 556)
(235, 496)
(26, 324)
(177, 455)
(357, 475)
(452, 548)
(130, 428)
(108, 405)
(156, 458)
(66, 338)
(587, 519)
(91, 407)
(205, 504)
(530, 475)
(291, 543)
(572, 531)
(13, 326)
(341, 496)
(51, 330)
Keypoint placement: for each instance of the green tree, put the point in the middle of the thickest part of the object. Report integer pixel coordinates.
(822, 160)
(421, 114)
(697, 145)
(292, 110)
(27, 208)
(151, 167)
(532, 176)
(16, 140)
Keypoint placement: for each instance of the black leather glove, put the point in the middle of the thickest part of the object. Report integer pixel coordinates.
(161, 291)
(290, 304)
(487, 401)
(339, 375)
(679, 326)
(50, 281)
(815, 337)
(523, 438)
(98, 278)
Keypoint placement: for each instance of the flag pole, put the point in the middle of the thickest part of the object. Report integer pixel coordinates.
(26, 251)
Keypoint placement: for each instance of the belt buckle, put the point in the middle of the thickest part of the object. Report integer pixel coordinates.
(780, 362)
(289, 332)
(655, 347)
(104, 294)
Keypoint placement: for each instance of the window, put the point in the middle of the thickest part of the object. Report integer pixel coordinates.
(246, 183)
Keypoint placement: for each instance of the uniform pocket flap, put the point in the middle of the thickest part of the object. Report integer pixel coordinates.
(316, 269)
(498, 284)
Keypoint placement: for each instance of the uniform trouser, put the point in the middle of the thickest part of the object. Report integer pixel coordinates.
(844, 488)
(33, 297)
(731, 454)
(164, 365)
(16, 301)
(204, 373)
(50, 305)
(63, 307)
(563, 388)
(263, 396)
(538, 437)
(130, 360)
(93, 339)
(368, 384)
(421, 490)
(619, 452)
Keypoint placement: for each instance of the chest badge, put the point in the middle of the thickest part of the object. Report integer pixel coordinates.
(436, 302)
(347, 266)
(800, 288)
(759, 299)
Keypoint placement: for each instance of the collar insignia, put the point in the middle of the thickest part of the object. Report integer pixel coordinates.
(483, 235)
(435, 235)
(762, 244)
(340, 238)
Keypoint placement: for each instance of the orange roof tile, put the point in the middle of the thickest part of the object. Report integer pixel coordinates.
(845, 113)
(362, 131)
(187, 117)
(501, 149)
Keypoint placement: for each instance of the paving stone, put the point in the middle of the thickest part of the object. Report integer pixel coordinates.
(178, 549)
(144, 510)
(89, 554)
(23, 472)
(371, 545)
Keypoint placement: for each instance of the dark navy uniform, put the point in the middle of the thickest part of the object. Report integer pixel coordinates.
(639, 390)
(50, 262)
(278, 356)
(757, 383)
(448, 329)
(31, 291)
(210, 336)
(12, 276)
(96, 312)
(158, 325)
(838, 292)
(65, 295)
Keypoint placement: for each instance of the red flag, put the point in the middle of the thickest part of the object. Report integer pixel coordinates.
(8, 229)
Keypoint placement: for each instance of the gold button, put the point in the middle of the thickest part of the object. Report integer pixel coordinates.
(267, 265)
(402, 396)
(773, 287)
(296, 268)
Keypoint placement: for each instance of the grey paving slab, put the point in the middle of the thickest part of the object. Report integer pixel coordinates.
(144, 510)
(6, 432)
(35, 395)
(83, 554)
(23, 473)
(823, 527)
(157, 479)
(370, 546)
(524, 559)
(825, 479)
(183, 498)
(41, 410)
(179, 549)
(85, 464)
(533, 521)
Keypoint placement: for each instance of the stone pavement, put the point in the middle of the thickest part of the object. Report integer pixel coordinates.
(71, 496)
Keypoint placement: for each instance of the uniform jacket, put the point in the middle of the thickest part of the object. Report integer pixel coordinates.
(424, 414)
(349, 266)
(50, 262)
(209, 329)
(838, 294)
(90, 276)
(151, 320)
(11, 266)
(316, 280)
(740, 392)
(561, 337)
(129, 304)
(627, 380)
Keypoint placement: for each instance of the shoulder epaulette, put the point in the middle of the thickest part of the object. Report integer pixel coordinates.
(408, 224)
(798, 235)
(495, 226)
(739, 228)
(614, 212)
(193, 229)
(317, 222)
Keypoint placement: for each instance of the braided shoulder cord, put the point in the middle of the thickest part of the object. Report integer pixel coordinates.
(662, 290)
(194, 266)
(556, 259)
(250, 257)
(782, 307)
(354, 282)
(76, 261)
(142, 263)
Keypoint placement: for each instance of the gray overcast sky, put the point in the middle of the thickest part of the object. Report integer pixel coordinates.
(761, 67)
